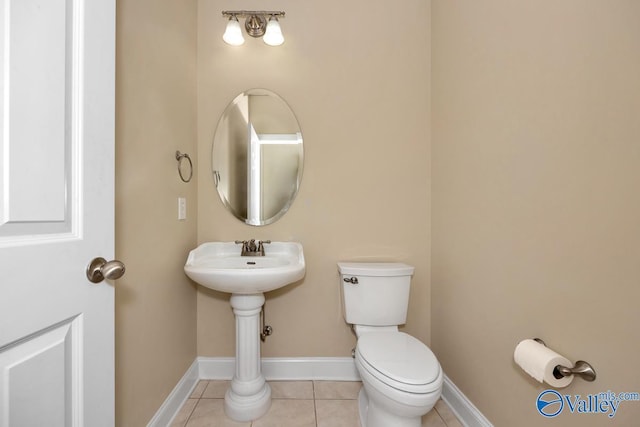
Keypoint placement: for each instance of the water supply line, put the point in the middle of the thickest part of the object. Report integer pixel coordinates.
(266, 329)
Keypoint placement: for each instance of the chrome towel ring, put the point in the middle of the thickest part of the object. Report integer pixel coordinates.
(179, 157)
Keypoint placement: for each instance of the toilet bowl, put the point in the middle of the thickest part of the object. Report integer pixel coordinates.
(401, 377)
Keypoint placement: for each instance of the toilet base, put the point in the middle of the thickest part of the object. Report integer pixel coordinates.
(363, 407)
(373, 416)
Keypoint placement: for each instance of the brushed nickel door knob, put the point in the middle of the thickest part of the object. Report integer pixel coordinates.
(100, 269)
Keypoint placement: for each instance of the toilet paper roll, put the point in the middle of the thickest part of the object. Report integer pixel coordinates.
(539, 362)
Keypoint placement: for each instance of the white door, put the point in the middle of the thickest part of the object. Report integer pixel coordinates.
(56, 212)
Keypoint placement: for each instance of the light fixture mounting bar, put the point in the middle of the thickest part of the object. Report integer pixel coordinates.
(249, 13)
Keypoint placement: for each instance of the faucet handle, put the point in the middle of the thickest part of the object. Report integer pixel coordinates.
(245, 246)
(261, 247)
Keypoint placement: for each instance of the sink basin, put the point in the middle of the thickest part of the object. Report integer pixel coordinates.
(219, 266)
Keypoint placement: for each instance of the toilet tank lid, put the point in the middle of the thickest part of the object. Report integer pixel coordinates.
(375, 268)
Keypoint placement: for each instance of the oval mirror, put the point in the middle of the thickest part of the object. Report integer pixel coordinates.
(257, 157)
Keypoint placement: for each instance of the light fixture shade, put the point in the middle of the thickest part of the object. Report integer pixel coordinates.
(233, 34)
(273, 34)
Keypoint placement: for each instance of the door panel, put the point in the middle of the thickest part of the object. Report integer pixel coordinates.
(41, 117)
(36, 41)
(39, 370)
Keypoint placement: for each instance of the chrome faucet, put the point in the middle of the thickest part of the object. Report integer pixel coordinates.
(250, 248)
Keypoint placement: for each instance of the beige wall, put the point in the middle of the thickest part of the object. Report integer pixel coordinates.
(535, 174)
(536, 197)
(357, 78)
(156, 103)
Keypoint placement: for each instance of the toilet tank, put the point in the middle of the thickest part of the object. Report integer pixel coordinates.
(381, 295)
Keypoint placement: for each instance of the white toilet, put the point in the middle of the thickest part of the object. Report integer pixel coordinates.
(402, 378)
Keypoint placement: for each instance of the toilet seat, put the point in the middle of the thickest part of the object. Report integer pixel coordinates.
(400, 361)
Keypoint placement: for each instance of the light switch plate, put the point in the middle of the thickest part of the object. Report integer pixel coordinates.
(182, 208)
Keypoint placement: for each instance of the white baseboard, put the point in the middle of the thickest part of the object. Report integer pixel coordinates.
(297, 369)
(466, 412)
(285, 368)
(176, 398)
(216, 368)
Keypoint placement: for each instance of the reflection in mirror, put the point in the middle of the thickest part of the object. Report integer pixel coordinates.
(257, 157)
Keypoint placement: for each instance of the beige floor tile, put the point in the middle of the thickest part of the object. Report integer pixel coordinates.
(337, 413)
(197, 391)
(288, 413)
(291, 389)
(183, 414)
(210, 413)
(336, 389)
(336, 405)
(447, 414)
(432, 419)
(216, 389)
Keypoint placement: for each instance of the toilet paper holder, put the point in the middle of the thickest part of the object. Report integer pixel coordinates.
(582, 369)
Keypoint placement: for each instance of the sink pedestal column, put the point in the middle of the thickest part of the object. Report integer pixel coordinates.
(249, 396)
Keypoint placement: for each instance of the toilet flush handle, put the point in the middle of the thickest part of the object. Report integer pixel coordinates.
(352, 280)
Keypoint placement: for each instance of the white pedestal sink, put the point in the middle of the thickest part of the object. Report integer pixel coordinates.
(219, 266)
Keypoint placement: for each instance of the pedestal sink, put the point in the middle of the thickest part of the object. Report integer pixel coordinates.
(219, 266)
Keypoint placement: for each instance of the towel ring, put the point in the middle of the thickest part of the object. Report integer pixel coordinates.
(179, 158)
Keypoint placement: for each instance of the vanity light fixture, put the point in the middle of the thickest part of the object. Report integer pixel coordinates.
(257, 24)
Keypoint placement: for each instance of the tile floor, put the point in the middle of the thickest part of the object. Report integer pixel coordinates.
(294, 404)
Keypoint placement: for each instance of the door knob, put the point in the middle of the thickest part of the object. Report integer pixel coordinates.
(99, 269)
